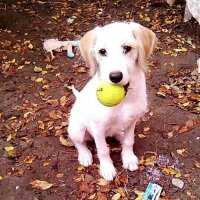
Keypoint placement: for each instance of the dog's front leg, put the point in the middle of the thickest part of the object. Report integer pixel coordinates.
(107, 169)
(129, 159)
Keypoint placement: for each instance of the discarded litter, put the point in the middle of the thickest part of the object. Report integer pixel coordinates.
(152, 192)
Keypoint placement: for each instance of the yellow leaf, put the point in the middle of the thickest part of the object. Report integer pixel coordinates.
(121, 191)
(39, 80)
(46, 163)
(102, 182)
(1, 178)
(46, 86)
(10, 148)
(150, 161)
(27, 113)
(180, 151)
(44, 72)
(92, 196)
(41, 185)
(30, 46)
(20, 67)
(170, 171)
(116, 196)
(41, 124)
(178, 175)
(65, 142)
(63, 100)
(37, 69)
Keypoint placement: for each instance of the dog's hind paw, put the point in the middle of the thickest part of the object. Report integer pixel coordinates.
(85, 158)
(108, 171)
(130, 162)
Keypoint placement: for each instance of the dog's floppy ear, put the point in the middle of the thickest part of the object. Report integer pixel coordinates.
(146, 40)
(87, 51)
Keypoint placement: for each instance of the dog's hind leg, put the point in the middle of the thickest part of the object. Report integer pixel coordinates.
(77, 135)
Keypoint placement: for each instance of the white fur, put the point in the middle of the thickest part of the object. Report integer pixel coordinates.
(89, 117)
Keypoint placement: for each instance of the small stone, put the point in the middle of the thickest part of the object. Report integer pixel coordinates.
(178, 183)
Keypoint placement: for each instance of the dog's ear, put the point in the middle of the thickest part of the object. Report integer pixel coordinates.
(87, 51)
(146, 40)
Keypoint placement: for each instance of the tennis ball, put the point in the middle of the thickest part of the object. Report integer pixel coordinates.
(110, 94)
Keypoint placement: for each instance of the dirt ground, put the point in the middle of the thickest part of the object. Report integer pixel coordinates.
(35, 103)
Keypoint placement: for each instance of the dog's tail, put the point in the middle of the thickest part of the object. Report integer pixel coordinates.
(74, 91)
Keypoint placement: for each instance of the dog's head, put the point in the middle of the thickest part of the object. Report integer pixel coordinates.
(117, 51)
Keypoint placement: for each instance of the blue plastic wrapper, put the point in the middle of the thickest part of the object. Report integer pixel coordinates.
(152, 192)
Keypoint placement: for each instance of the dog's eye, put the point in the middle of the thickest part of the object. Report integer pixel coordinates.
(126, 49)
(102, 52)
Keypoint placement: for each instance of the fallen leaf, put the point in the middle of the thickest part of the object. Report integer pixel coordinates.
(92, 196)
(10, 148)
(29, 159)
(39, 80)
(20, 67)
(140, 135)
(41, 124)
(121, 191)
(150, 161)
(84, 187)
(170, 171)
(116, 196)
(180, 151)
(82, 70)
(53, 102)
(197, 164)
(54, 115)
(101, 196)
(183, 129)
(1, 178)
(102, 182)
(41, 185)
(63, 100)
(37, 69)
(66, 142)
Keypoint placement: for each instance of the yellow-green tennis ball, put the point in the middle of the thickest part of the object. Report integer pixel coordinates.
(110, 94)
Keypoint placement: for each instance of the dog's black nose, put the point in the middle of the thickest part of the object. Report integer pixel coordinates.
(116, 76)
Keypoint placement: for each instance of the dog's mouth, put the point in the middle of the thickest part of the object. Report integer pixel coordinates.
(126, 87)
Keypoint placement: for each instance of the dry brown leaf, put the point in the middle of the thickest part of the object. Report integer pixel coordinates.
(121, 191)
(29, 159)
(41, 185)
(116, 196)
(140, 135)
(183, 129)
(92, 196)
(66, 142)
(197, 164)
(63, 100)
(54, 115)
(53, 102)
(84, 187)
(180, 151)
(102, 182)
(40, 124)
(101, 196)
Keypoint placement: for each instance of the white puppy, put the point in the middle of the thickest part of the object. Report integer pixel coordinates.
(115, 53)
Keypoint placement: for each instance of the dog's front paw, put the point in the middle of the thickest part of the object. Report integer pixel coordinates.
(108, 171)
(130, 162)
(85, 158)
